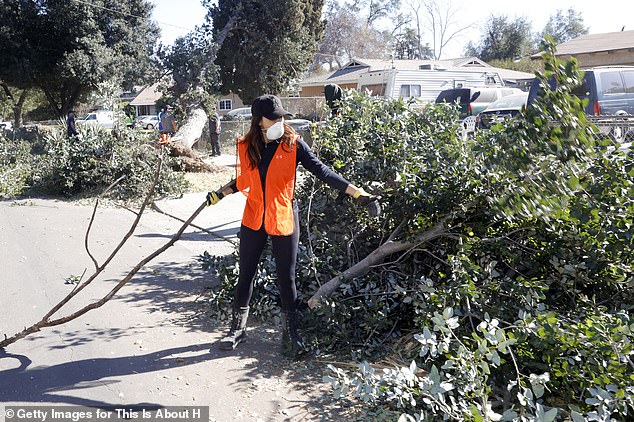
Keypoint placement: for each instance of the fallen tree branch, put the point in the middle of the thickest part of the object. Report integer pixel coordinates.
(92, 219)
(157, 209)
(47, 322)
(374, 258)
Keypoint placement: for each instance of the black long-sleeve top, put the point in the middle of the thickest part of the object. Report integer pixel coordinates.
(306, 158)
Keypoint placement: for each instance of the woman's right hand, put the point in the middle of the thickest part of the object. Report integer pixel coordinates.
(214, 197)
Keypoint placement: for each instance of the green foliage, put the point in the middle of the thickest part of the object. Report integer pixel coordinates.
(502, 38)
(86, 165)
(15, 170)
(193, 77)
(564, 26)
(67, 48)
(270, 44)
(523, 65)
(521, 309)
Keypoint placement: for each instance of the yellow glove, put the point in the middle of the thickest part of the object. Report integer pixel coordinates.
(214, 197)
(370, 202)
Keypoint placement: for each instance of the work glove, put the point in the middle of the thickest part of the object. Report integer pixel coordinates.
(370, 202)
(214, 197)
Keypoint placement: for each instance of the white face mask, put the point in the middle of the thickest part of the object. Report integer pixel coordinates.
(276, 131)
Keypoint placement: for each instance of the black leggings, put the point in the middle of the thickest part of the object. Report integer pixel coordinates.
(252, 243)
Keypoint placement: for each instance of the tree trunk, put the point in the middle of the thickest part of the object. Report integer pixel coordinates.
(17, 109)
(192, 130)
(16, 106)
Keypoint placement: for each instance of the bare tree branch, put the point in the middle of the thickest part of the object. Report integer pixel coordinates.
(92, 219)
(45, 321)
(376, 257)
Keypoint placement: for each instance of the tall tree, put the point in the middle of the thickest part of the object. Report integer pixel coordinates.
(65, 48)
(502, 38)
(271, 43)
(564, 26)
(348, 35)
(408, 46)
(375, 9)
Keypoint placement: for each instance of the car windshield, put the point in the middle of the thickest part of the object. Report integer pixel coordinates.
(509, 102)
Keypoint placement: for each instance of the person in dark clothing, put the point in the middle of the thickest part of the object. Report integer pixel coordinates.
(214, 133)
(333, 93)
(71, 127)
(268, 156)
(168, 122)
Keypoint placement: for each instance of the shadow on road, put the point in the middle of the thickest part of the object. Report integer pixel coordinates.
(48, 383)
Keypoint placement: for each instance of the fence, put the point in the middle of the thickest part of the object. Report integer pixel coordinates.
(616, 128)
(234, 129)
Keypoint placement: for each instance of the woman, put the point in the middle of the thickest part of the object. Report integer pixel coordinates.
(268, 156)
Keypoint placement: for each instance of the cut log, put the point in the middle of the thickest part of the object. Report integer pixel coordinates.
(192, 130)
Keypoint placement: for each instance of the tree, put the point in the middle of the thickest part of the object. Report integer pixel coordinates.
(564, 26)
(502, 38)
(270, 44)
(67, 48)
(376, 9)
(348, 35)
(408, 46)
(440, 20)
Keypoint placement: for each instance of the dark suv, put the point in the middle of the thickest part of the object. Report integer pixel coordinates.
(609, 89)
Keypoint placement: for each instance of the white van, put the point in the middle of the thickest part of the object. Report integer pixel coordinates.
(103, 118)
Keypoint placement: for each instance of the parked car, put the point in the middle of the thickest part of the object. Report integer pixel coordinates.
(500, 110)
(103, 118)
(609, 90)
(241, 113)
(472, 101)
(147, 121)
(300, 125)
(6, 126)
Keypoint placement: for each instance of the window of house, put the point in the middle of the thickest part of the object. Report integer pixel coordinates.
(410, 91)
(144, 110)
(376, 89)
(225, 105)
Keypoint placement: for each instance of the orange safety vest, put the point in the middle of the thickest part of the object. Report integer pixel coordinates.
(276, 205)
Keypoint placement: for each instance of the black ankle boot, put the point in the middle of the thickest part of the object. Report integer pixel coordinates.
(238, 332)
(292, 344)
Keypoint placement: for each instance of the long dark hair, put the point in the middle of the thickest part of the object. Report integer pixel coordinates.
(254, 139)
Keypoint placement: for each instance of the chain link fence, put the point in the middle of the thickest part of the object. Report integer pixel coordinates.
(234, 129)
(617, 128)
(620, 129)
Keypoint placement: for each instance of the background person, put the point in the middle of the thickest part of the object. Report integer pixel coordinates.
(71, 125)
(268, 156)
(168, 122)
(214, 132)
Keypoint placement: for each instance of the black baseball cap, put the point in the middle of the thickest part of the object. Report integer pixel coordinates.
(268, 106)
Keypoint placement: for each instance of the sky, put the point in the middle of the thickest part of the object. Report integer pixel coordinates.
(177, 17)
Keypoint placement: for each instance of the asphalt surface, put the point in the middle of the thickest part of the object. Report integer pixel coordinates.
(152, 345)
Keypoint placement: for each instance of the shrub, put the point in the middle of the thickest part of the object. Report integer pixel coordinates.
(87, 164)
(520, 309)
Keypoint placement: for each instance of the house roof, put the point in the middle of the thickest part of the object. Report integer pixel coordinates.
(349, 73)
(595, 43)
(148, 96)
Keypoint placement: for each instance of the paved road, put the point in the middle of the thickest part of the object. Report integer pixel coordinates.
(149, 346)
